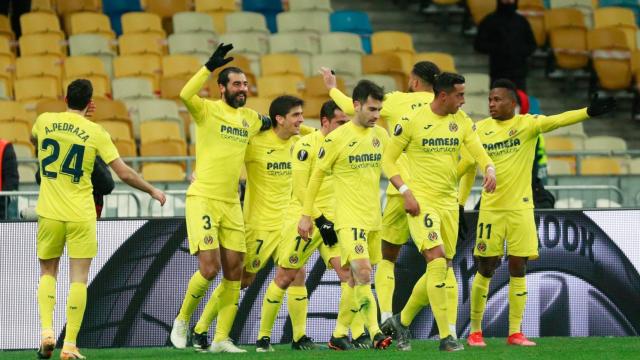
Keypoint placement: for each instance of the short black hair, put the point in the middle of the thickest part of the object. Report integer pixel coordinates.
(79, 94)
(328, 109)
(426, 71)
(506, 84)
(223, 77)
(282, 105)
(446, 82)
(366, 88)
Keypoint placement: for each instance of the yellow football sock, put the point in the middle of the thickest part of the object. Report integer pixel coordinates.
(228, 309)
(210, 310)
(368, 307)
(345, 311)
(357, 324)
(198, 286)
(385, 285)
(46, 300)
(517, 302)
(270, 308)
(297, 302)
(418, 299)
(76, 303)
(479, 291)
(436, 279)
(452, 301)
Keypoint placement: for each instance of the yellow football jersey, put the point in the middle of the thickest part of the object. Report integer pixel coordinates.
(269, 171)
(222, 135)
(511, 144)
(304, 161)
(395, 105)
(432, 144)
(67, 148)
(353, 155)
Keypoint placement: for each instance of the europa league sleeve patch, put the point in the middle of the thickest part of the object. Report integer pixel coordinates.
(397, 130)
(302, 155)
(321, 153)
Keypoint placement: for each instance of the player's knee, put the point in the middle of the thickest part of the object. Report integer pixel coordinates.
(517, 266)
(209, 271)
(284, 278)
(390, 251)
(362, 275)
(487, 266)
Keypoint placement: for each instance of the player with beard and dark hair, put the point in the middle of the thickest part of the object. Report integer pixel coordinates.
(214, 219)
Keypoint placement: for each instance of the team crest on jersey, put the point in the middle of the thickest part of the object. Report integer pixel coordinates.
(293, 259)
(321, 153)
(453, 127)
(208, 239)
(245, 123)
(302, 155)
(482, 246)
(433, 236)
(397, 130)
(375, 142)
(512, 132)
(256, 263)
(359, 248)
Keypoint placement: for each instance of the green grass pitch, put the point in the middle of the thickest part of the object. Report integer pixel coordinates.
(596, 348)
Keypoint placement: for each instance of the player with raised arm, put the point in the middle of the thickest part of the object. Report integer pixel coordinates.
(352, 154)
(68, 144)
(506, 215)
(432, 138)
(395, 230)
(214, 219)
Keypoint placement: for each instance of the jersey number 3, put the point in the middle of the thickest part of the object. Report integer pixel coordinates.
(71, 165)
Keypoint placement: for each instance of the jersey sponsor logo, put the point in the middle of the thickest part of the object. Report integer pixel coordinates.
(208, 239)
(440, 142)
(280, 165)
(359, 249)
(270, 151)
(489, 132)
(433, 236)
(502, 147)
(365, 158)
(68, 128)
(427, 127)
(352, 143)
(397, 130)
(375, 142)
(302, 155)
(453, 127)
(293, 259)
(513, 132)
(321, 153)
(482, 246)
(234, 133)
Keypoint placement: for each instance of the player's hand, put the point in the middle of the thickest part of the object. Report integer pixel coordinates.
(411, 205)
(91, 108)
(159, 195)
(305, 227)
(489, 181)
(599, 107)
(329, 78)
(327, 231)
(219, 59)
(192, 177)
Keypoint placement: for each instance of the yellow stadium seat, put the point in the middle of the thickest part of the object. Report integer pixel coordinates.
(91, 23)
(445, 61)
(391, 41)
(611, 58)
(156, 130)
(601, 166)
(90, 68)
(259, 104)
(180, 65)
(101, 86)
(5, 28)
(385, 64)
(142, 22)
(126, 147)
(74, 6)
(619, 18)
(27, 173)
(39, 22)
(5, 47)
(42, 44)
(142, 43)
(117, 129)
(312, 106)
(567, 37)
(110, 110)
(35, 89)
(348, 65)
(166, 8)
(388, 83)
(314, 86)
(605, 143)
(144, 66)
(273, 86)
(50, 106)
(165, 147)
(131, 88)
(561, 143)
(11, 130)
(281, 64)
(43, 6)
(560, 167)
(39, 66)
(24, 150)
(162, 172)
(14, 111)
(479, 9)
(534, 10)
(170, 88)
(216, 5)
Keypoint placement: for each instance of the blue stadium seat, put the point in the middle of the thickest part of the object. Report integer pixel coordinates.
(115, 8)
(534, 105)
(355, 22)
(269, 8)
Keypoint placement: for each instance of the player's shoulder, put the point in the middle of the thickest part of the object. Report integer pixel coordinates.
(380, 131)
(339, 133)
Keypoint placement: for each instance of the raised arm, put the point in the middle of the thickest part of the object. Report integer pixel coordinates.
(344, 102)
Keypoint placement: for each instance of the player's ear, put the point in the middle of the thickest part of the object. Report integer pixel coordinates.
(357, 106)
(66, 100)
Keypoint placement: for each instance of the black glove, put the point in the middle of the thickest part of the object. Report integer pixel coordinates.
(327, 232)
(600, 106)
(218, 58)
(462, 223)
